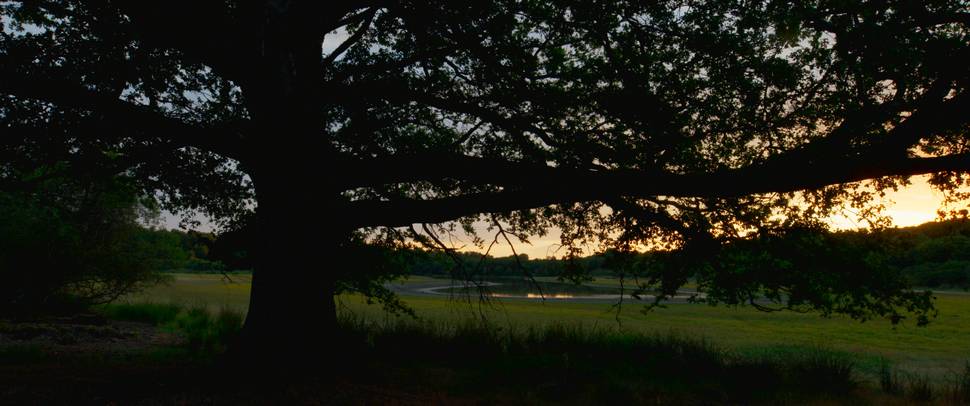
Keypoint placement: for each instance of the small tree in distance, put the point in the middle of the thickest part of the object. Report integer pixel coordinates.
(621, 123)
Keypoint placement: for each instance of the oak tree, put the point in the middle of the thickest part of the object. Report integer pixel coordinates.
(625, 124)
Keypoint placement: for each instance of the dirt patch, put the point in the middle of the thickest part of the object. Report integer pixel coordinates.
(83, 334)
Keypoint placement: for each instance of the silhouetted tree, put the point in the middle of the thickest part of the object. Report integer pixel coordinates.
(623, 123)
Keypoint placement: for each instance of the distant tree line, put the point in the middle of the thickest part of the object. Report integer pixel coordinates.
(932, 255)
(936, 254)
(473, 264)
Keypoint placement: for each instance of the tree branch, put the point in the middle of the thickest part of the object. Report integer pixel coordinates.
(353, 39)
(205, 32)
(933, 116)
(606, 185)
(146, 123)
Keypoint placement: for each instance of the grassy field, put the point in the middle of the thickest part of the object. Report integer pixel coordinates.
(213, 291)
(939, 350)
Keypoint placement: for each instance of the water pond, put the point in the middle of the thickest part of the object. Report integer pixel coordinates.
(529, 289)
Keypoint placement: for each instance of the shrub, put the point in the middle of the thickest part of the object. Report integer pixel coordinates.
(66, 243)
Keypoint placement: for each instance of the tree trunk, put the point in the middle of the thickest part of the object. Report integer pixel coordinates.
(291, 311)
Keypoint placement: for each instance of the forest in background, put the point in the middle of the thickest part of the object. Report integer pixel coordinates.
(933, 255)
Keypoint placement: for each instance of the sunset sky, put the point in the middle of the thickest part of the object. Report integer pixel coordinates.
(915, 204)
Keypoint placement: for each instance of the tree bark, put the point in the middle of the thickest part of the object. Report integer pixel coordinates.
(291, 315)
(291, 312)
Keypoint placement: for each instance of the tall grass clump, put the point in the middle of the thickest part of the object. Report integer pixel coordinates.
(920, 388)
(963, 383)
(570, 361)
(203, 331)
(152, 313)
(958, 392)
(889, 379)
(823, 370)
(794, 372)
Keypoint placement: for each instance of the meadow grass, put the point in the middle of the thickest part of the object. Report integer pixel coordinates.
(939, 351)
(212, 291)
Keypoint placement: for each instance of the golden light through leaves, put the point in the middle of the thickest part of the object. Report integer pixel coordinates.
(912, 205)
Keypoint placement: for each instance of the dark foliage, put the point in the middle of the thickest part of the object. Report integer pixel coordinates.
(935, 255)
(69, 242)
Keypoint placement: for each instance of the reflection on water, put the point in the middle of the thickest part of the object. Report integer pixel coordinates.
(532, 290)
(525, 289)
(535, 295)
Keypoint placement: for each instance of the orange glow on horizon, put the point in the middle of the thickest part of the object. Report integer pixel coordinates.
(913, 205)
(909, 206)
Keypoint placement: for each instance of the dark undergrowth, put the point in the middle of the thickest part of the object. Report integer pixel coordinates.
(577, 364)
